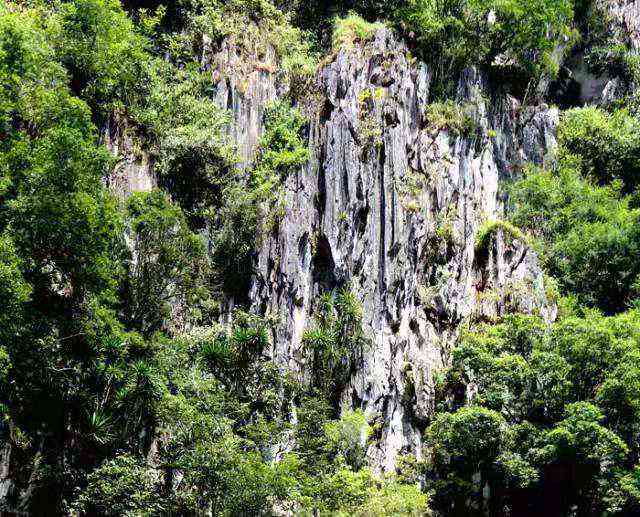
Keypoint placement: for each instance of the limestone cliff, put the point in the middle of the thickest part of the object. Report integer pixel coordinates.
(391, 205)
(403, 202)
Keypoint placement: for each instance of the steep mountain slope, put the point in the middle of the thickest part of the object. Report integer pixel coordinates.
(373, 296)
(390, 205)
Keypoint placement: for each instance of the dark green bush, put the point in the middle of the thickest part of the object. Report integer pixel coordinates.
(545, 402)
(122, 486)
(589, 234)
(106, 58)
(169, 265)
(614, 61)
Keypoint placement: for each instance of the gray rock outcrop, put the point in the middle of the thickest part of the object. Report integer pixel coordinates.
(390, 205)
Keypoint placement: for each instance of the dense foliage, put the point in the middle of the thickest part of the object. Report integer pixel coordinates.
(120, 393)
(522, 34)
(542, 418)
(584, 210)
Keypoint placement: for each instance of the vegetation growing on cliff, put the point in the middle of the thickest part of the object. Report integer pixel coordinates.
(337, 343)
(584, 210)
(122, 388)
(520, 34)
(488, 230)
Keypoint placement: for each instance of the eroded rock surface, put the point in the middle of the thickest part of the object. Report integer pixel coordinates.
(390, 205)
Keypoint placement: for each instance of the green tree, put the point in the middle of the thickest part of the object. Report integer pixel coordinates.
(522, 33)
(588, 233)
(464, 444)
(106, 57)
(168, 266)
(121, 486)
(607, 144)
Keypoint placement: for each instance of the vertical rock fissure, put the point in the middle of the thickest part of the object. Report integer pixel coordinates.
(383, 207)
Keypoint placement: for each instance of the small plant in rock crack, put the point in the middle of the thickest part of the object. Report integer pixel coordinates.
(457, 119)
(445, 232)
(369, 127)
(353, 29)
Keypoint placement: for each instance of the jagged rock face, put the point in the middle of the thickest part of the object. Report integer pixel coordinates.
(625, 15)
(5, 472)
(623, 20)
(390, 206)
(245, 84)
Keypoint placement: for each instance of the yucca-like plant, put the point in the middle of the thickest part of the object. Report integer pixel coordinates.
(253, 338)
(217, 352)
(249, 343)
(349, 314)
(138, 396)
(100, 426)
(322, 341)
(337, 339)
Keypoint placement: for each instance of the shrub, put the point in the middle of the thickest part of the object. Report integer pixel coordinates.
(343, 490)
(233, 242)
(464, 444)
(489, 229)
(353, 29)
(361, 493)
(607, 144)
(450, 116)
(469, 439)
(217, 352)
(347, 439)
(122, 486)
(396, 499)
(283, 148)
